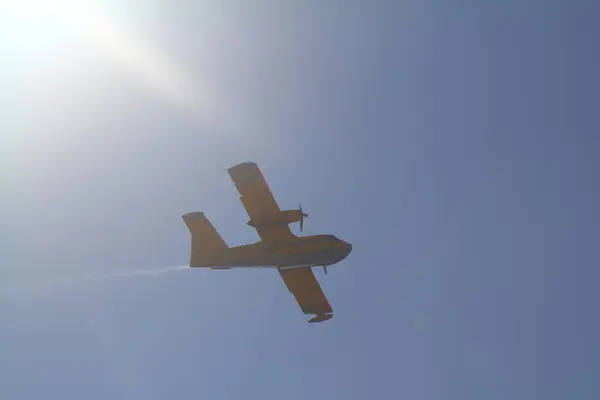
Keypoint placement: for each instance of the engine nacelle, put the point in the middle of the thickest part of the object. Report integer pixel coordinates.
(291, 216)
(285, 217)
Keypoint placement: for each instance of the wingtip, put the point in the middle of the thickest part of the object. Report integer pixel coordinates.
(246, 172)
(242, 165)
(320, 318)
(194, 215)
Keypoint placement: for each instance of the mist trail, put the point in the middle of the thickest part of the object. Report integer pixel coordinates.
(28, 287)
(131, 274)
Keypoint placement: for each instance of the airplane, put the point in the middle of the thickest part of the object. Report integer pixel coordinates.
(293, 256)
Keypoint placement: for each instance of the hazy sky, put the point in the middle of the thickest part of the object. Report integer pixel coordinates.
(454, 144)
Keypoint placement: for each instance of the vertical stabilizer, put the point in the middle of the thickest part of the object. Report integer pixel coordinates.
(206, 241)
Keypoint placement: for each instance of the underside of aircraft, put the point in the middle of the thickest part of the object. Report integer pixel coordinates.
(293, 256)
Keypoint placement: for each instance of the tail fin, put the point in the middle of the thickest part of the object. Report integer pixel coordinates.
(206, 241)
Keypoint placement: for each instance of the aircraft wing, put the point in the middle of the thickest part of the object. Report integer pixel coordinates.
(259, 202)
(303, 284)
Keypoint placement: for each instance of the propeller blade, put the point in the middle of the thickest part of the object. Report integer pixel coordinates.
(302, 216)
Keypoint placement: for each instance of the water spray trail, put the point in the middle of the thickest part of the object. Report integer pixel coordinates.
(137, 272)
(40, 287)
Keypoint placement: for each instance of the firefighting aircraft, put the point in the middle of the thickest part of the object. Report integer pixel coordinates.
(279, 248)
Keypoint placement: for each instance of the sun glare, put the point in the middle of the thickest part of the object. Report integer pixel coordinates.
(40, 31)
(32, 29)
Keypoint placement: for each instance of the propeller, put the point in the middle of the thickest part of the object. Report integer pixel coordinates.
(325, 269)
(302, 216)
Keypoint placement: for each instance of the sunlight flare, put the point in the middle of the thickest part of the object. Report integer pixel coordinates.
(46, 25)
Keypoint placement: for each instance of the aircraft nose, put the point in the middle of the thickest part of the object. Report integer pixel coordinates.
(348, 249)
(343, 250)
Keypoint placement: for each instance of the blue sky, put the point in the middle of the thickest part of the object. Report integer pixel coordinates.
(454, 145)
